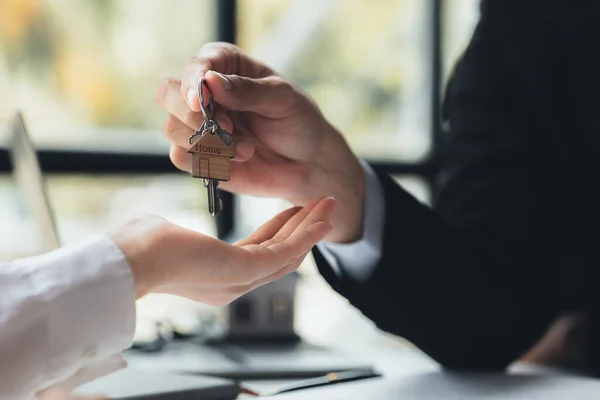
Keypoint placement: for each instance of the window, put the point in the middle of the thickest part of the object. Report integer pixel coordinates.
(369, 65)
(373, 67)
(86, 204)
(14, 239)
(90, 204)
(416, 186)
(86, 71)
(364, 62)
(459, 19)
(84, 74)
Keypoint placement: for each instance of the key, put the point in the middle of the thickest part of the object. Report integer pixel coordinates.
(225, 136)
(211, 154)
(211, 161)
(214, 202)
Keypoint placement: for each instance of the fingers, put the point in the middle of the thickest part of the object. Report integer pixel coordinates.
(271, 96)
(180, 158)
(299, 243)
(270, 228)
(288, 269)
(294, 238)
(319, 210)
(211, 56)
(228, 271)
(223, 296)
(177, 132)
(244, 149)
(223, 57)
(168, 97)
(302, 232)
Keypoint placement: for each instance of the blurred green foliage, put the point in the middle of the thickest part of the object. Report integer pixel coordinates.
(89, 69)
(96, 63)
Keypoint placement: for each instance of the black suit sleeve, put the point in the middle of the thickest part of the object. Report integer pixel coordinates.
(468, 282)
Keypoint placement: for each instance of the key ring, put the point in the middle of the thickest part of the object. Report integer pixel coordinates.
(207, 114)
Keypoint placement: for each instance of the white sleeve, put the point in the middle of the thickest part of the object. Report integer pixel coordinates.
(61, 312)
(358, 259)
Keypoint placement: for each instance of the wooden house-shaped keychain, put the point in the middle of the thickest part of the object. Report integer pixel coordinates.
(211, 158)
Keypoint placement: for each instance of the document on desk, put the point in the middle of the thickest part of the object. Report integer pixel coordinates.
(245, 362)
(131, 384)
(456, 386)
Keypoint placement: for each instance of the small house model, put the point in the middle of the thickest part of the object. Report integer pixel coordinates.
(211, 158)
(265, 314)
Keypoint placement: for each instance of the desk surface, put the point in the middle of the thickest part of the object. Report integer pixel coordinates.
(440, 385)
(323, 317)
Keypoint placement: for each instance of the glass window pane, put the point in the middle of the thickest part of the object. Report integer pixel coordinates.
(6, 101)
(86, 205)
(15, 230)
(416, 186)
(459, 20)
(252, 212)
(75, 66)
(366, 63)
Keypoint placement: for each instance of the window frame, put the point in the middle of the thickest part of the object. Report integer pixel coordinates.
(127, 161)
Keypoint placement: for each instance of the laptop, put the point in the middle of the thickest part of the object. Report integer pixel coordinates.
(28, 175)
(129, 383)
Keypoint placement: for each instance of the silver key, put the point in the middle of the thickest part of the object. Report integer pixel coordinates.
(215, 204)
(211, 154)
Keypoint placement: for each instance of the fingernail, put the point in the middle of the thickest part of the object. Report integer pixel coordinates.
(191, 97)
(225, 80)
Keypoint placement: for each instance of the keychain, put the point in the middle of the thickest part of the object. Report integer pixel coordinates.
(211, 154)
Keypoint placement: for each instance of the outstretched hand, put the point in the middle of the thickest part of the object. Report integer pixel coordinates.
(166, 258)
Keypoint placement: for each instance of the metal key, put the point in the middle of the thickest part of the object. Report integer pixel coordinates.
(211, 153)
(215, 205)
(211, 161)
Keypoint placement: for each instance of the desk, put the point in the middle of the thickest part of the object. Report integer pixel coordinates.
(453, 386)
(325, 318)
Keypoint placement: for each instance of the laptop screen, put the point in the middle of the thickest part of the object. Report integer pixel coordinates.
(29, 178)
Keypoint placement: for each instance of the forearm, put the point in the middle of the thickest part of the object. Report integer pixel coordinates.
(445, 291)
(358, 259)
(62, 311)
(337, 172)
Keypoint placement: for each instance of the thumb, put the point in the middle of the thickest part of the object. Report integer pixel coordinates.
(271, 96)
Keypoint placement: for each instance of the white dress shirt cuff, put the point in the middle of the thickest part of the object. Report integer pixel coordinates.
(359, 259)
(88, 293)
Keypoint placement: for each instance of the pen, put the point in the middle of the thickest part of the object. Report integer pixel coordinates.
(329, 379)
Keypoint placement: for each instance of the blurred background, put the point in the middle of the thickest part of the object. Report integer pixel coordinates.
(84, 73)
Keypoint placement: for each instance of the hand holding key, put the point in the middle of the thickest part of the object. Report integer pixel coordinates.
(284, 147)
(210, 152)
